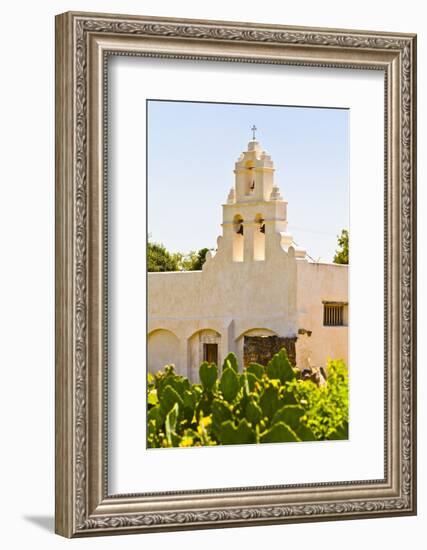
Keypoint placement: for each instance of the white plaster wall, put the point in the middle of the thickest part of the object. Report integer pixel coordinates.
(316, 283)
(228, 297)
(279, 294)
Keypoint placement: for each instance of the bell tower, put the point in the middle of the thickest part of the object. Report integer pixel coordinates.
(254, 173)
(255, 213)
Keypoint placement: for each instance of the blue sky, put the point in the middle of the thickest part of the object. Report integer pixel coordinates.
(192, 148)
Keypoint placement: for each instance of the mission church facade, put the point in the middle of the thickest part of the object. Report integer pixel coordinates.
(257, 293)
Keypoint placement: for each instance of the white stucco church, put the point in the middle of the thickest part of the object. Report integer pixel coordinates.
(258, 292)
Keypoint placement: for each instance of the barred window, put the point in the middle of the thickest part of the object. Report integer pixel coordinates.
(333, 314)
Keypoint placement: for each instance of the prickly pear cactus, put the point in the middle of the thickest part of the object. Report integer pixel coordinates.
(259, 404)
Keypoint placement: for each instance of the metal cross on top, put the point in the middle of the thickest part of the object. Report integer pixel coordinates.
(254, 129)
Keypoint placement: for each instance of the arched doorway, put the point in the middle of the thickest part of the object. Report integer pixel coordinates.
(261, 333)
(204, 345)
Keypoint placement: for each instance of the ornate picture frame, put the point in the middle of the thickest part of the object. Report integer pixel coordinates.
(84, 42)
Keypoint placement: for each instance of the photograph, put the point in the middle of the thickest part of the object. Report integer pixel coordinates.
(247, 256)
(235, 272)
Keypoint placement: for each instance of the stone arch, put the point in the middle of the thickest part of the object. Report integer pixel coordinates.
(256, 331)
(238, 238)
(252, 331)
(259, 238)
(162, 349)
(203, 345)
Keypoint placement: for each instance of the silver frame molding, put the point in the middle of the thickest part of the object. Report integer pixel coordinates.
(83, 43)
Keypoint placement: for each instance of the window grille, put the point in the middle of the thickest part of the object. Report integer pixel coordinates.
(333, 315)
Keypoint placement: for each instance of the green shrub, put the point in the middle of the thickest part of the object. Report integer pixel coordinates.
(268, 404)
(326, 406)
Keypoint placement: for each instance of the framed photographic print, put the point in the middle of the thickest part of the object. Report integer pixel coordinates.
(235, 274)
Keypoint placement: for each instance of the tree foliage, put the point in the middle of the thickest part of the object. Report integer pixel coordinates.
(193, 261)
(341, 255)
(160, 259)
(327, 406)
(198, 259)
(268, 404)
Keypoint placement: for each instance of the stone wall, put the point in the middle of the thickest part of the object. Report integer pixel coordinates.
(260, 349)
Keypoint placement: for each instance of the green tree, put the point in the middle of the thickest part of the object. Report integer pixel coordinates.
(199, 259)
(159, 259)
(193, 261)
(341, 255)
